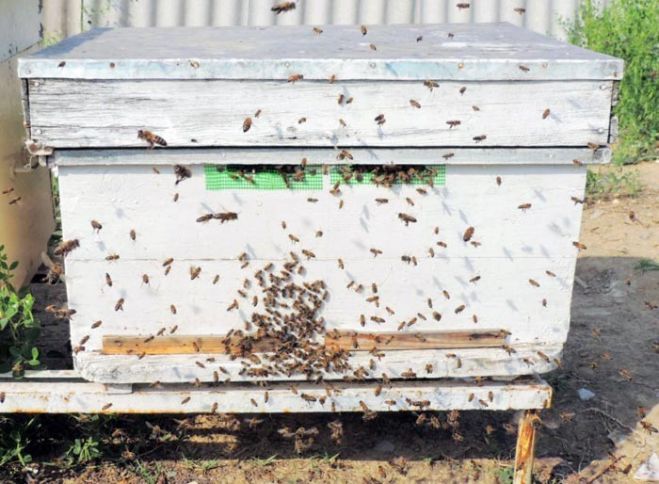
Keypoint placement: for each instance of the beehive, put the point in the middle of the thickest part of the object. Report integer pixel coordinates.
(462, 266)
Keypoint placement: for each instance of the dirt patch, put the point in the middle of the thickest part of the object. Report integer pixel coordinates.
(611, 351)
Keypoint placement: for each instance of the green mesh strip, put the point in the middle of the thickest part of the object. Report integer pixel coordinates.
(219, 177)
(367, 178)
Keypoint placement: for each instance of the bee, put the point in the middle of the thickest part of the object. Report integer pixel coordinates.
(344, 154)
(161, 331)
(175, 197)
(462, 5)
(283, 7)
(462, 90)
(308, 254)
(475, 108)
(374, 287)
(421, 191)
(534, 283)
(312, 200)
(234, 305)
(308, 398)
(266, 397)
(543, 356)
(112, 257)
(181, 173)
(430, 84)
(460, 308)
(453, 123)
(625, 374)
(498, 181)
(194, 272)
(295, 77)
(15, 200)
(431, 252)
(524, 206)
(96, 226)
(523, 68)
(302, 120)
(577, 162)
(593, 146)
(7, 191)
(475, 279)
(257, 113)
(151, 138)
(319, 233)
(379, 119)
(546, 113)
(579, 245)
(342, 122)
(372, 47)
(216, 279)
(479, 138)
(172, 308)
(550, 273)
(332, 79)
(66, 247)
(474, 318)
(247, 123)
(446, 294)
(409, 201)
(363, 29)
(468, 234)
(341, 264)
(415, 104)
(317, 30)
(96, 324)
(132, 234)
(168, 262)
(381, 201)
(407, 219)
(450, 35)
(173, 330)
(375, 252)
(509, 349)
(185, 400)
(293, 238)
(408, 374)
(448, 155)
(119, 306)
(520, 10)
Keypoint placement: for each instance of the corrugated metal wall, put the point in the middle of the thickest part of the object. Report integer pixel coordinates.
(67, 17)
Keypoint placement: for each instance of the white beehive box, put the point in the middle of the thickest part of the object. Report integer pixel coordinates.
(507, 118)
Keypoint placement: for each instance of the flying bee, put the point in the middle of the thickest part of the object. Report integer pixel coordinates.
(225, 216)
(295, 77)
(442, 244)
(379, 119)
(479, 138)
(308, 254)
(446, 294)
(66, 247)
(119, 306)
(344, 154)
(460, 308)
(283, 7)
(544, 302)
(462, 5)
(216, 279)
(15, 200)
(132, 234)
(372, 47)
(96, 324)
(546, 113)
(151, 138)
(293, 238)
(593, 146)
(453, 123)
(108, 279)
(319, 233)
(523, 68)
(247, 123)
(375, 252)
(462, 90)
(520, 10)
(415, 104)
(468, 234)
(475, 108)
(407, 219)
(579, 245)
(194, 272)
(234, 305)
(112, 257)
(96, 226)
(534, 283)
(312, 200)
(448, 155)
(381, 201)
(341, 264)
(524, 206)
(409, 201)
(474, 318)
(450, 35)
(302, 120)
(475, 279)
(430, 84)
(172, 308)
(317, 30)
(175, 197)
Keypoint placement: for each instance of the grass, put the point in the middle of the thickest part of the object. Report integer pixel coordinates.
(628, 29)
(612, 183)
(647, 265)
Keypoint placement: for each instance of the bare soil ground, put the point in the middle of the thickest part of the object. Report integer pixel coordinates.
(612, 350)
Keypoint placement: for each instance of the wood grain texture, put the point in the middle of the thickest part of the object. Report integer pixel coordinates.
(85, 397)
(336, 340)
(211, 113)
(525, 448)
(482, 51)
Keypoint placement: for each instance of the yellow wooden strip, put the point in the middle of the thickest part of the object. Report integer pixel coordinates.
(335, 340)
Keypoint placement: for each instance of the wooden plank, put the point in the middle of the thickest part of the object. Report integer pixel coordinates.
(524, 451)
(212, 112)
(335, 340)
(484, 51)
(324, 156)
(425, 364)
(354, 341)
(86, 397)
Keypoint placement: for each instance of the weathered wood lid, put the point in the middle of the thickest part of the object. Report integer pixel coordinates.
(498, 51)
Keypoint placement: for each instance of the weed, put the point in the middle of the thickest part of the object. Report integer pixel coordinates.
(265, 462)
(505, 475)
(14, 440)
(627, 29)
(83, 451)
(18, 326)
(647, 265)
(617, 182)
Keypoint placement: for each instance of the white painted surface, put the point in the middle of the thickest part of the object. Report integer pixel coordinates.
(74, 114)
(19, 26)
(87, 397)
(516, 246)
(474, 52)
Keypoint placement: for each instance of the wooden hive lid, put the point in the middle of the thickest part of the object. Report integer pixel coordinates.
(488, 52)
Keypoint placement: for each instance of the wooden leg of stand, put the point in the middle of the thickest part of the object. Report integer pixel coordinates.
(525, 448)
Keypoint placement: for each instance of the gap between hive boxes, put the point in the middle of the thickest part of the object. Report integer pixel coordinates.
(334, 340)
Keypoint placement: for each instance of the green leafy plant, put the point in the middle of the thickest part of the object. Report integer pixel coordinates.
(617, 182)
(83, 451)
(14, 440)
(18, 326)
(627, 29)
(647, 265)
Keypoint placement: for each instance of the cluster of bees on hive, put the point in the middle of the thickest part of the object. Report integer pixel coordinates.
(290, 325)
